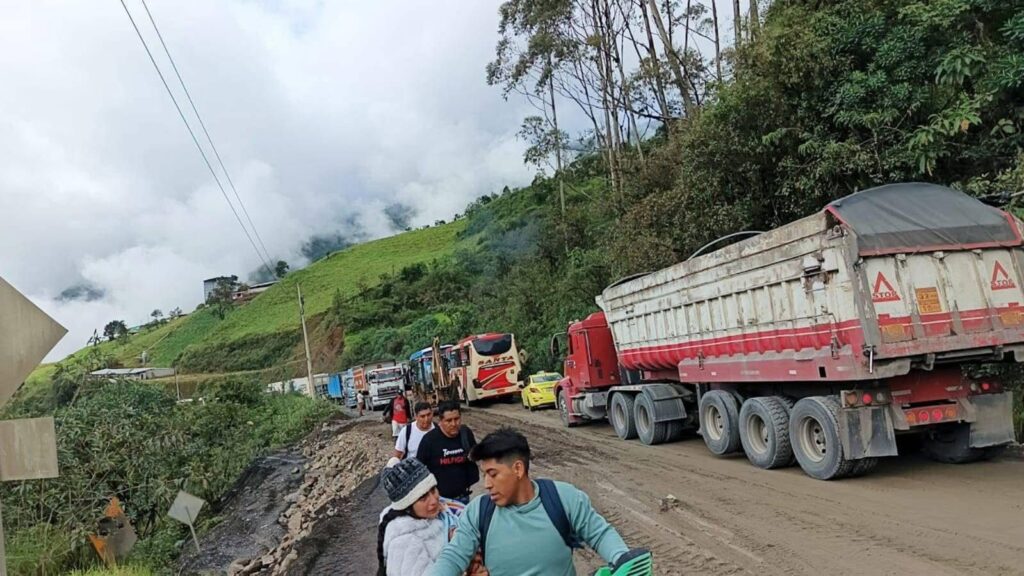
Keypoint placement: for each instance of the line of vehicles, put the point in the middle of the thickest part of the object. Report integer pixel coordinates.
(817, 343)
(479, 367)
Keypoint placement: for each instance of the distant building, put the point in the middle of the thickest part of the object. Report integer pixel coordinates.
(133, 373)
(246, 293)
(210, 284)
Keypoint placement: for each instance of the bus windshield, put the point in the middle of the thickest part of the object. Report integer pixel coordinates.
(493, 346)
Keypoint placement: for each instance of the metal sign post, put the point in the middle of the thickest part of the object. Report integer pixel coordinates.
(185, 509)
(27, 447)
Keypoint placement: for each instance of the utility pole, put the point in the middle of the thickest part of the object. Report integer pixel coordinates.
(305, 340)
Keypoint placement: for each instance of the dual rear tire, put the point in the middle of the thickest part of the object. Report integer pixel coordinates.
(633, 416)
(775, 432)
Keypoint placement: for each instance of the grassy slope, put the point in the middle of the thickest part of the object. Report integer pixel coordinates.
(275, 309)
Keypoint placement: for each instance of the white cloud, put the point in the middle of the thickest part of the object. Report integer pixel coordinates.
(319, 109)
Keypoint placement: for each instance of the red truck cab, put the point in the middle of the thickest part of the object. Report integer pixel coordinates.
(590, 366)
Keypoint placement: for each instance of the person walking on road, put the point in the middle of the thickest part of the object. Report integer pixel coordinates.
(409, 440)
(445, 451)
(361, 401)
(524, 527)
(417, 524)
(397, 412)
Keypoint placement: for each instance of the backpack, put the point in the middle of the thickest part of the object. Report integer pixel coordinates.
(552, 503)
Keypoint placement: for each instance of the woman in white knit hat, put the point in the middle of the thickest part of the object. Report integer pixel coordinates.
(417, 524)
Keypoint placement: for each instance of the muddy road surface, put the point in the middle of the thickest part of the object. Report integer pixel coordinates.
(910, 516)
(700, 514)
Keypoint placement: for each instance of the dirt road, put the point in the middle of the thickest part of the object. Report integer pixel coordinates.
(911, 516)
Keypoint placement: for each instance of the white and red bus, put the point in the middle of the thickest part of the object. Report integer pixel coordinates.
(485, 366)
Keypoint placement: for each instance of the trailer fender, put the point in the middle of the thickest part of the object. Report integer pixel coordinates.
(867, 432)
(993, 421)
(667, 401)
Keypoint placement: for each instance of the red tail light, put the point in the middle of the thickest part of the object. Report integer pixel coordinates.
(866, 398)
(985, 386)
(923, 416)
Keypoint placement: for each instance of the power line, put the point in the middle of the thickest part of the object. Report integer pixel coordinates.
(195, 140)
(209, 139)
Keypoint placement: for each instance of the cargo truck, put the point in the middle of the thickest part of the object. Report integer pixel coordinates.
(361, 381)
(817, 342)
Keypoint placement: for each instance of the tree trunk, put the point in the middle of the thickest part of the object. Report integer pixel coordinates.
(652, 54)
(675, 63)
(755, 20)
(718, 46)
(736, 23)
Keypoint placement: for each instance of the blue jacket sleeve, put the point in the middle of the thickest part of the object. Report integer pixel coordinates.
(590, 526)
(458, 553)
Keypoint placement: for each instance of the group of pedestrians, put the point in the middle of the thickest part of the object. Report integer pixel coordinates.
(521, 526)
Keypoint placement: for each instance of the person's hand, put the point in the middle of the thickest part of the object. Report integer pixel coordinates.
(476, 566)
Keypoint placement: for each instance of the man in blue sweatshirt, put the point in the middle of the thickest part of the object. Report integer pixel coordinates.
(522, 538)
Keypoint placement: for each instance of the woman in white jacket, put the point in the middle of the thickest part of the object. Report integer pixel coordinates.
(417, 525)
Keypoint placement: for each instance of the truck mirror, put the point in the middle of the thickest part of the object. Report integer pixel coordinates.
(555, 346)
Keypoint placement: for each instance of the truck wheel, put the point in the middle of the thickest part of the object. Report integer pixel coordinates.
(951, 444)
(814, 435)
(764, 432)
(649, 431)
(863, 466)
(719, 422)
(563, 410)
(621, 416)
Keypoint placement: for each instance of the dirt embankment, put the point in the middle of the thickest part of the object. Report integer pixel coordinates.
(284, 517)
(910, 516)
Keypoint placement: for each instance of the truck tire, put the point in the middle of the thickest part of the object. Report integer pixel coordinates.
(719, 422)
(649, 431)
(563, 410)
(951, 444)
(764, 432)
(814, 436)
(622, 417)
(863, 466)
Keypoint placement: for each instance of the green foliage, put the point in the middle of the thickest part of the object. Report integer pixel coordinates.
(132, 440)
(249, 352)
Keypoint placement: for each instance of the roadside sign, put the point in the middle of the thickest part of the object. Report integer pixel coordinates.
(26, 335)
(115, 537)
(185, 509)
(28, 449)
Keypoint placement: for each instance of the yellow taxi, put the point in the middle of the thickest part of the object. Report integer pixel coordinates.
(539, 390)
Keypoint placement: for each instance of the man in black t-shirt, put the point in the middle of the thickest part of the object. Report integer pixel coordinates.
(445, 451)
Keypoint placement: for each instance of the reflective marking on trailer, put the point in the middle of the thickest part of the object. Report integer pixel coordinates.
(792, 372)
(1000, 279)
(750, 372)
(883, 290)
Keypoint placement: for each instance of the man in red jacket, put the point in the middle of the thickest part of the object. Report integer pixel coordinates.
(397, 412)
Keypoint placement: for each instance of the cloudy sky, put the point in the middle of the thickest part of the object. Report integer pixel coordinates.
(320, 110)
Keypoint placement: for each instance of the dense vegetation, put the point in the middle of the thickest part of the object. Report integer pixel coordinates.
(134, 441)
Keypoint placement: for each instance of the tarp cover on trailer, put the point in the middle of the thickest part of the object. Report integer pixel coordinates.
(919, 216)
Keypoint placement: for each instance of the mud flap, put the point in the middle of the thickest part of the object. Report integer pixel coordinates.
(867, 432)
(993, 422)
(667, 401)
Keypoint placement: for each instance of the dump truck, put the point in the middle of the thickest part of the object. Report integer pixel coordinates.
(818, 342)
(361, 382)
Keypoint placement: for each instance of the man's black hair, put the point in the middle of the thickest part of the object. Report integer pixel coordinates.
(506, 445)
(420, 407)
(448, 406)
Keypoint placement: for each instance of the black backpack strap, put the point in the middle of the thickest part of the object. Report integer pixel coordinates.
(556, 512)
(484, 523)
(408, 437)
(464, 440)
